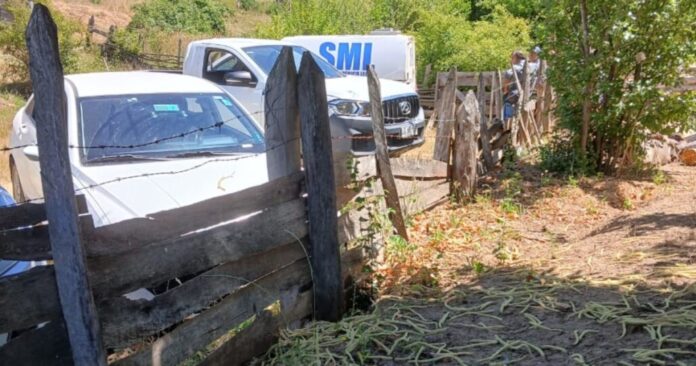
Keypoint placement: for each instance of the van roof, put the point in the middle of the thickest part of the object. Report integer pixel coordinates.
(242, 42)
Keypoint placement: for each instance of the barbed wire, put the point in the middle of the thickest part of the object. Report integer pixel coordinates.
(240, 156)
(238, 116)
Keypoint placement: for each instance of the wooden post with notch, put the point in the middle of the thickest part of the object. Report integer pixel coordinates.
(445, 118)
(50, 113)
(518, 121)
(541, 98)
(425, 83)
(384, 170)
(282, 124)
(321, 190)
(466, 148)
(485, 137)
(500, 99)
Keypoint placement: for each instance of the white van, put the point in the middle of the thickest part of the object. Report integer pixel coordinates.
(392, 53)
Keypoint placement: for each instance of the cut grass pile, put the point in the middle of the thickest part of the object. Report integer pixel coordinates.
(539, 321)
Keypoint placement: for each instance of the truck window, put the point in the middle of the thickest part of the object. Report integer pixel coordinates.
(266, 56)
(218, 63)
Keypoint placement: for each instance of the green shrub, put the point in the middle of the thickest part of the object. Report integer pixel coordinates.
(248, 4)
(477, 46)
(13, 43)
(622, 76)
(561, 157)
(444, 35)
(191, 16)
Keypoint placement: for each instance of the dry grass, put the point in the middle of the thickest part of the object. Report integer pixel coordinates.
(563, 274)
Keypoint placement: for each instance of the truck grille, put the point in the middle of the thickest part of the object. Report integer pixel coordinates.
(396, 112)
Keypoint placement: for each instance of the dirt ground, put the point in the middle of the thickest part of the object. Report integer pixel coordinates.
(536, 271)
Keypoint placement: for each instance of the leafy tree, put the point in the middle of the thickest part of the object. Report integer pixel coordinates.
(613, 62)
(444, 36)
(191, 16)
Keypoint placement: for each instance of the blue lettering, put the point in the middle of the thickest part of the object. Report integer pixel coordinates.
(349, 56)
(325, 52)
(367, 56)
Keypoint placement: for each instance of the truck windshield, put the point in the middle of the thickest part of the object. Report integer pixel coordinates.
(163, 126)
(266, 56)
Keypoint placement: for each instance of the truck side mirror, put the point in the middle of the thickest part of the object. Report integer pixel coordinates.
(239, 78)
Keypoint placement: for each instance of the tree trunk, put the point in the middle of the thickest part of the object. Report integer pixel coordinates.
(587, 101)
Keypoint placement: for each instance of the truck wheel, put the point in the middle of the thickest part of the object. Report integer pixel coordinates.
(17, 192)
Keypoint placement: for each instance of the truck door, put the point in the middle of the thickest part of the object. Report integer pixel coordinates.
(227, 70)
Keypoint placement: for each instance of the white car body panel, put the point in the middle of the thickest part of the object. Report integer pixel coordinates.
(163, 185)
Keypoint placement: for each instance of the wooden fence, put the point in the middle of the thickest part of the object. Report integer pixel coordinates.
(111, 49)
(237, 268)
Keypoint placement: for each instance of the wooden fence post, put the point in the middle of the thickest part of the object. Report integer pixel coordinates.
(75, 295)
(501, 99)
(426, 76)
(491, 97)
(282, 124)
(466, 148)
(179, 58)
(520, 109)
(541, 98)
(382, 154)
(321, 190)
(485, 137)
(445, 118)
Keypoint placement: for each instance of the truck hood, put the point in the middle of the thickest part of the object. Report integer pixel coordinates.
(355, 88)
(158, 186)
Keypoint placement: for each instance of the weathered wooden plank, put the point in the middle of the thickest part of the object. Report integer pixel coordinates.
(193, 335)
(445, 120)
(28, 299)
(352, 264)
(403, 168)
(282, 131)
(321, 192)
(136, 233)
(61, 209)
(127, 321)
(465, 78)
(261, 334)
(425, 82)
(521, 121)
(27, 244)
(382, 155)
(500, 99)
(45, 346)
(466, 148)
(28, 214)
(485, 138)
(120, 274)
(33, 244)
(426, 198)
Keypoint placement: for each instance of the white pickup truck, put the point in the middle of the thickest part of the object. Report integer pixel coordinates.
(241, 67)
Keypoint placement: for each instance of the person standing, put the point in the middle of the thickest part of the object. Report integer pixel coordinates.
(511, 93)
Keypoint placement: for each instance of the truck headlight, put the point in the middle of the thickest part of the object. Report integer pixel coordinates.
(345, 107)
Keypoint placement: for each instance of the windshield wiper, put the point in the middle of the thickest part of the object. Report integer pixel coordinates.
(122, 158)
(195, 154)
